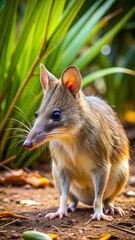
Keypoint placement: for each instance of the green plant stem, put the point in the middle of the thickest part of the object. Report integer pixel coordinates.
(19, 92)
(4, 140)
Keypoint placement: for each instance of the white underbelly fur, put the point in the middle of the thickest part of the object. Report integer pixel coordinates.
(85, 193)
(80, 169)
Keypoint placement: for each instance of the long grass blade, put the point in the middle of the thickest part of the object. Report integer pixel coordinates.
(104, 72)
(95, 49)
(67, 19)
(77, 41)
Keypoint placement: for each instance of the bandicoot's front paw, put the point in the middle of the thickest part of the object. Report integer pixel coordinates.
(112, 210)
(59, 213)
(98, 215)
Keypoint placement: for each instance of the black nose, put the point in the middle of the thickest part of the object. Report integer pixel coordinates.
(27, 144)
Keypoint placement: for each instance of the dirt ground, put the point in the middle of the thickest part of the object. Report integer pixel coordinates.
(47, 200)
(73, 227)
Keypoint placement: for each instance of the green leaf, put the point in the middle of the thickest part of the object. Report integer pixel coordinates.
(95, 49)
(79, 25)
(104, 72)
(6, 46)
(2, 4)
(55, 16)
(23, 36)
(6, 23)
(67, 18)
(77, 41)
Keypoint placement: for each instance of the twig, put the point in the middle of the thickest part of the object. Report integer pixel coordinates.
(56, 228)
(7, 161)
(35, 74)
(9, 223)
(88, 222)
(121, 228)
(10, 214)
(112, 15)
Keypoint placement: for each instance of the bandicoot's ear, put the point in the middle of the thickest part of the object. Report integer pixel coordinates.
(45, 77)
(71, 79)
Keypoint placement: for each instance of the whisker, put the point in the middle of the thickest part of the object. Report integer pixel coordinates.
(21, 113)
(57, 133)
(18, 129)
(17, 143)
(18, 136)
(7, 168)
(21, 123)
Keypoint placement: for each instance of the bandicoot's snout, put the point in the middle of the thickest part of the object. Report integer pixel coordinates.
(27, 144)
(34, 139)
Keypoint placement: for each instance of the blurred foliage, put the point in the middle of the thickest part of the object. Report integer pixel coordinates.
(120, 88)
(57, 33)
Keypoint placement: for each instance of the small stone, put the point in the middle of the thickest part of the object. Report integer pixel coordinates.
(40, 215)
(69, 221)
(27, 186)
(18, 222)
(6, 200)
(84, 238)
(133, 209)
(48, 225)
(1, 208)
(71, 234)
(114, 237)
(15, 235)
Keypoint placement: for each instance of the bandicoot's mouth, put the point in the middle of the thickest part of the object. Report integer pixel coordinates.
(33, 145)
(36, 142)
(43, 138)
(27, 144)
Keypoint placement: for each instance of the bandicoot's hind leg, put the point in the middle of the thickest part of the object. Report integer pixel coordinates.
(108, 203)
(73, 203)
(100, 178)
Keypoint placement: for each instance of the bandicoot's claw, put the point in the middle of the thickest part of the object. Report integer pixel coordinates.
(71, 209)
(56, 214)
(98, 217)
(114, 210)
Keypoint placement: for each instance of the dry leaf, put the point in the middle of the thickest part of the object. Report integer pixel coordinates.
(106, 236)
(11, 215)
(21, 177)
(130, 116)
(29, 202)
(53, 236)
(130, 193)
(131, 180)
(133, 209)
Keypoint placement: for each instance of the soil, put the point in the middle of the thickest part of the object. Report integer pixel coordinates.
(70, 228)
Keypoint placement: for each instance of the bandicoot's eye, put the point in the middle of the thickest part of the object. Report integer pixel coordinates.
(56, 115)
(36, 114)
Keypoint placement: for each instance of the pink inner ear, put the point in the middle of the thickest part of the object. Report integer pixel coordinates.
(71, 86)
